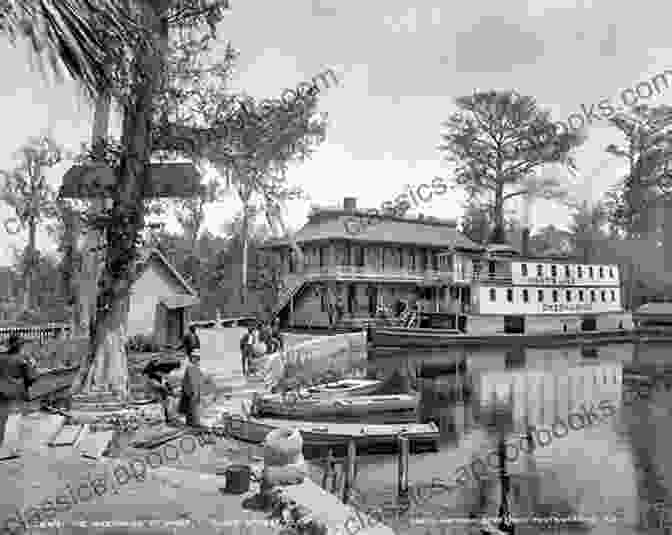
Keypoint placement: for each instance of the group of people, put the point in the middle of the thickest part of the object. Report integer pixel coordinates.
(260, 339)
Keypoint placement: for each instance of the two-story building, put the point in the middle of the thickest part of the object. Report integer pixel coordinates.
(353, 271)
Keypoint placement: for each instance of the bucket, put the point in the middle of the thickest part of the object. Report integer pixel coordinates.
(237, 479)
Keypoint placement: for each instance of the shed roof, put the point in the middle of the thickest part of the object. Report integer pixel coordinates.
(149, 255)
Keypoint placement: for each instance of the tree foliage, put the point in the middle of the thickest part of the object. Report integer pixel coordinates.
(647, 152)
(498, 142)
(26, 190)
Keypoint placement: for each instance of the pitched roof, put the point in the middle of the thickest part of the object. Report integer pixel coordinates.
(147, 255)
(343, 225)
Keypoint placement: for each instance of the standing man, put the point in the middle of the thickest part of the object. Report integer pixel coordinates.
(17, 374)
(190, 402)
(159, 385)
(190, 342)
(246, 343)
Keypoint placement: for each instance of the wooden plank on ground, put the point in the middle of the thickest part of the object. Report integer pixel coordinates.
(67, 436)
(158, 437)
(93, 445)
(11, 445)
(39, 428)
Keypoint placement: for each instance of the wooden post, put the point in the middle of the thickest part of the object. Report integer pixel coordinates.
(327, 477)
(349, 470)
(402, 476)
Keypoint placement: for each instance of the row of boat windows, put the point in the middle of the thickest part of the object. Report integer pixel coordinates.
(568, 271)
(555, 295)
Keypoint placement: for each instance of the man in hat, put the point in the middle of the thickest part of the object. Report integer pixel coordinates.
(190, 342)
(158, 384)
(191, 390)
(17, 374)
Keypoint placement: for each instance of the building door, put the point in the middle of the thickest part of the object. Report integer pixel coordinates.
(373, 300)
(175, 326)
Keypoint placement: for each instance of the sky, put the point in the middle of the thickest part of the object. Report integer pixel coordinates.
(400, 70)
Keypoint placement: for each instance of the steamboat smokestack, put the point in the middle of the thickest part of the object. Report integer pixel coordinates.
(350, 204)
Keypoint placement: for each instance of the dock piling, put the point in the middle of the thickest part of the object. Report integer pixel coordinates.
(349, 470)
(402, 480)
(328, 474)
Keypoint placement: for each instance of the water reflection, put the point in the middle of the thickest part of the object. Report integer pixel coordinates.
(616, 468)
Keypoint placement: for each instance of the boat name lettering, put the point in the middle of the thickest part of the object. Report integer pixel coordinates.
(564, 307)
(550, 280)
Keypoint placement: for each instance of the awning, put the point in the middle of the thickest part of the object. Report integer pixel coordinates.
(180, 301)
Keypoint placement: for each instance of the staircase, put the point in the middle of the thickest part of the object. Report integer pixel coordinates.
(292, 287)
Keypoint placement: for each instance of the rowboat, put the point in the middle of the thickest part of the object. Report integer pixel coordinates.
(345, 387)
(335, 435)
(386, 408)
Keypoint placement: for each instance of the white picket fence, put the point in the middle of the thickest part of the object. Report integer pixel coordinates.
(341, 353)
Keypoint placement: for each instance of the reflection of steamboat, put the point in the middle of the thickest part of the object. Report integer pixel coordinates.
(419, 282)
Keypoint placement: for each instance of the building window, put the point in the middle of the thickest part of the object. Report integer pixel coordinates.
(579, 272)
(554, 271)
(493, 294)
(401, 258)
(581, 296)
(526, 296)
(601, 272)
(411, 260)
(604, 296)
(593, 297)
(359, 256)
(568, 272)
(613, 295)
(491, 269)
(540, 296)
(611, 273)
(591, 273)
(540, 270)
(555, 296)
(523, 270)
(568, 295)
(509, 295)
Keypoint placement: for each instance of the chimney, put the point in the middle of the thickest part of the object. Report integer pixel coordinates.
(350, 204)
(525, 242)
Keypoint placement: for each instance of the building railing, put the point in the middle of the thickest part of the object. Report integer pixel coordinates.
(365, 272)
(39, 333)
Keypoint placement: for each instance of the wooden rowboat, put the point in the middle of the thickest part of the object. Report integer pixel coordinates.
(388, 408)
(334, 435)
(345, 387)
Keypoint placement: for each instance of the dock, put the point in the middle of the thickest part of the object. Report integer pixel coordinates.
(319, 435)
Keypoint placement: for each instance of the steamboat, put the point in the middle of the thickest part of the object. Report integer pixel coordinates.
(418, 282)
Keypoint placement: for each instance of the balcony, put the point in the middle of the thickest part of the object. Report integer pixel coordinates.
(367, 273)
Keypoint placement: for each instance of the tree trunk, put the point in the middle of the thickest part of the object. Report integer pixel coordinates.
(29, 265)
(243, 290)
(107, 369)
(498, 232)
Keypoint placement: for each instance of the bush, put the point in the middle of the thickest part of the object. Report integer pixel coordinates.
(141, 343)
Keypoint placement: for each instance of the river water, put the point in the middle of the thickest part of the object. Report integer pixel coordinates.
(614, 471)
